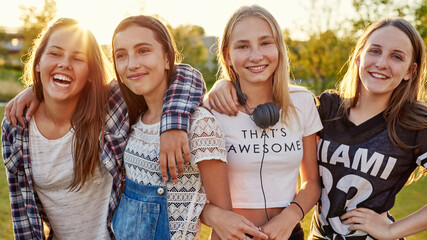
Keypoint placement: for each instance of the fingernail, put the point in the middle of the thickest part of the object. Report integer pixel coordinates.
(28, 117)
(165, 179)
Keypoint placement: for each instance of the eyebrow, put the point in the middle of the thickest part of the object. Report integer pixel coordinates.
(260, 38)
(62, 49)
(136, 46)
(396, 50)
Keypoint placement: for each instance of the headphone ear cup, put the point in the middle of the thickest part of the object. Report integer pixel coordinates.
(274, 113)
(266, 115)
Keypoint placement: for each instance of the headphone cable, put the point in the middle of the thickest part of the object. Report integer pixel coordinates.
(260, 176)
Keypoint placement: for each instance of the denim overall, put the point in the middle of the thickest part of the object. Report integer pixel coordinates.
(142, 213)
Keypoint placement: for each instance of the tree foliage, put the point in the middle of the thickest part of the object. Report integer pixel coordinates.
(193, 51)
(35, 20)
(317, 62)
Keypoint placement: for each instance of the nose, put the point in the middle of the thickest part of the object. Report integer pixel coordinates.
(255, 55)
(382, 62)
(133, 63)
(64, 64)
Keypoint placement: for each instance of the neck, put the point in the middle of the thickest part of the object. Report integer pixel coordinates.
(54, 118)
(153, 113)
(258, 93)
(367, 107)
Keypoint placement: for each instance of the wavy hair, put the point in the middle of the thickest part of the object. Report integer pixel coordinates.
(89, 116)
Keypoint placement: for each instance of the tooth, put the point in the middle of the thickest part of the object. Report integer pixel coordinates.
(62, 77)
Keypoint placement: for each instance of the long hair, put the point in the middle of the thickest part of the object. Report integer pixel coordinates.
(136, 103)
(89, 116)
(407, 106)
(281, 79)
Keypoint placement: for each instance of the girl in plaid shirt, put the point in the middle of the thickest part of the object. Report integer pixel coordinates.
(56, 167)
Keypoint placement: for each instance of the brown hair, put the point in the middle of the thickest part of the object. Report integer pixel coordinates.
(135, 103)
(89, 116)
(407, 106)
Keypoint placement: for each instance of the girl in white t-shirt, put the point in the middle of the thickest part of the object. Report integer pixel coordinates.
(272, 137)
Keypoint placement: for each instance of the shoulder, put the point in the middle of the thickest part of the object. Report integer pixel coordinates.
(9, 130)
(201, 113)
(300, 96)
(202, 120)
(185, 70)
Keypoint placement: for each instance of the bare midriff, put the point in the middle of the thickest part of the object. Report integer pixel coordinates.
(257, 216)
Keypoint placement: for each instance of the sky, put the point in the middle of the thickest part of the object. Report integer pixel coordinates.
(102, 16)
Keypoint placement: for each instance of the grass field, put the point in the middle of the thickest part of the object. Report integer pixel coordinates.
(411, 198)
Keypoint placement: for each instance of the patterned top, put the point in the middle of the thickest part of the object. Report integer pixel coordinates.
(186, 198)
(27, 211)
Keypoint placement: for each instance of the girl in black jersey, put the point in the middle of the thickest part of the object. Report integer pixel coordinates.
(375, 131)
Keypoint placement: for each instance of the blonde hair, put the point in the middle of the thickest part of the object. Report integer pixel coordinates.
(89, 116)
(281, 78)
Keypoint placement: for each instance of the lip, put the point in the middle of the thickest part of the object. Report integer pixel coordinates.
(136, 76)
(257, 68)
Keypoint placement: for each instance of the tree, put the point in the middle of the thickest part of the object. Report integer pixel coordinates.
(190, 44)
(367, 11)
(35, 21)
(317, 62)
(421, 20)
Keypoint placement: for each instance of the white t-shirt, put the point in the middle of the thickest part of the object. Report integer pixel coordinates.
(187, 197)
(283, 150)
(72, 215)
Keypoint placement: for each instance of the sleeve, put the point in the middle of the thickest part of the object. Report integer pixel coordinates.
(206, 138)
(312, 122)
(182, 98)
(422, 149)
(117, 123)
(9, 152)
(21, 223)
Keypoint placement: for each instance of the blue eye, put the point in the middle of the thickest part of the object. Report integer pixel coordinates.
(374, 51)
(398, 57)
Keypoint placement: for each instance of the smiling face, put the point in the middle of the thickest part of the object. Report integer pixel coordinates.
(252, 52)
(141, 61)
(63, 65)
(385, 61)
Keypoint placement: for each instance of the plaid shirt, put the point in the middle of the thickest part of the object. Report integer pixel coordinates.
(185, 94)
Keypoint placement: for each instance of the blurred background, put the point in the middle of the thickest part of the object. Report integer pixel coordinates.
(320, 35)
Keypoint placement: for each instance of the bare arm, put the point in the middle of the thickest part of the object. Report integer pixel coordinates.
(218, 212)
(281, 226)
(381, 228)
(223, 98)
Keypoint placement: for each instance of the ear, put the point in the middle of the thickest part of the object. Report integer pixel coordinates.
(37, 67)
(411, 71)
(166, 62)
(228, 60)
(358, 61)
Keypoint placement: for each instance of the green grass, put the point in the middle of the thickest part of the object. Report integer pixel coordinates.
(410, 199)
